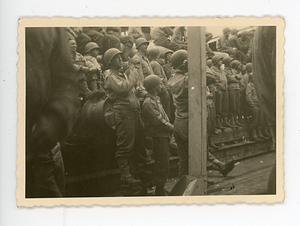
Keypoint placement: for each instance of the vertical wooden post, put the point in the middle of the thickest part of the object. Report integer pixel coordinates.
(197, 106)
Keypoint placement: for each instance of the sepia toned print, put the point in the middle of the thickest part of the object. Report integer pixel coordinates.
(144, 111)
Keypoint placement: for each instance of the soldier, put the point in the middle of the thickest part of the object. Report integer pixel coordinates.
(159, 129)
(257, 114)
(158, 70)
(223, 43)
(161, 36)
(82, 68)
(136, 32)
(180, 37)
(210, 107)
(95, 78)
(120, 88)
(221, 93)
(126, 47)
(145, 68)
(243, 85)
(246, 45)
(178, 84)
(233, 77)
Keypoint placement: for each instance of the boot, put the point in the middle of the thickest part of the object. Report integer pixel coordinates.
(219, 124)
(211, 144)
(227, 168)
(232, 122)
(237, 121)
(260, 136)
(226, 123)
(160, 191)
(265, 132)
(126, 178)
(253, 135)
(224, 168)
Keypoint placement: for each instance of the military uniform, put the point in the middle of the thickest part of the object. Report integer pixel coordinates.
(159, 128)
(221, 93)
(243, 85)
(78, 62)
(252, 101)
(120, 88)
(178, 84)
(164, 94)
(233, 90)
(96, 77)
(160, 36)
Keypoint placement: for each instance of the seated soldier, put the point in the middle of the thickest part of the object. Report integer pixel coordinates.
(159, 71)
(180, 37)
(223, 43)
(159, 129)
(82, 69)
(161, 37)
(136, 32)
(95, 78)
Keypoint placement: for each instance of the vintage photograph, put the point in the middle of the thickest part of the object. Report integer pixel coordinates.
(138, 111)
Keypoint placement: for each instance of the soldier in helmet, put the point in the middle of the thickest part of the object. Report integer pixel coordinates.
(233, 77)
(159, 129)
(178, 84)
(158, 70)
(243, 85)
(120, 88)
(161, 36)
(82, 68)
(221, 93)
(145, 68)
(223, 43)
(256, 112)
(95, 79)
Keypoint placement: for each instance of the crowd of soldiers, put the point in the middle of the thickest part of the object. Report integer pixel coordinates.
(144, 71)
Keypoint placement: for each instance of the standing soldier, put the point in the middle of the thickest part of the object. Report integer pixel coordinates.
(159, 129)
(144, 63)
(257, 114)
(221, 93)
(120, 88)
(246, 45)
(159, 71)
(233, 77)
(243, 85)
(178, 84)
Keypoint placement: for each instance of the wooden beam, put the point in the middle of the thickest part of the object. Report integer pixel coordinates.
(197, 103)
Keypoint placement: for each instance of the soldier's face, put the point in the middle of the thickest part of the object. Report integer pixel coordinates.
(129, 45)
(159, 87)
(168, 56)
(73, 45)
(143, 48)
(220, 62)
(94, 52)
(117, 62)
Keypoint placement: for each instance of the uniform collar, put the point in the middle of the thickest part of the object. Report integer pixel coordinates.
(151, 96)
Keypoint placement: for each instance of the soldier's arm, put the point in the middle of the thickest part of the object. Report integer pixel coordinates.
(249, 96)
(120, 86)
(231, 79)
(156, 117)
(169, 31)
